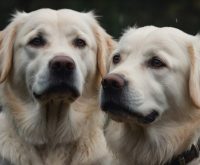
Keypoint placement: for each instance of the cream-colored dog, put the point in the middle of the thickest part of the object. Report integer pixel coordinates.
(51, 63)
(152, 92)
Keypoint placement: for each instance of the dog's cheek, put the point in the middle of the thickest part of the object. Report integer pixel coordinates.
(80, 78)
(37, 75)
(91, 63)
(177, 90)
(18, 72)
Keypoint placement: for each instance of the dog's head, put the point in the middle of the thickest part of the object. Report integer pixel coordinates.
(48, 54)
(154, 73)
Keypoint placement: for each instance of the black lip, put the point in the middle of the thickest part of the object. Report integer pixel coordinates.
(61, 88)
(118, 109)
(123, 111)
(149, 118)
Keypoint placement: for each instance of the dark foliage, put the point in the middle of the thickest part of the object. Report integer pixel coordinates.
(117, 15)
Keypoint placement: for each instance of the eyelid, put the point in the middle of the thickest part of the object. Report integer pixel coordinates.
(35, 36)
(84, 37)
(164, 60)
(36, 30)
(118, 56)
(161, 55)
(74, 42)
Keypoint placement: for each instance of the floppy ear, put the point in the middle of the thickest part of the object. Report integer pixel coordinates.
(7, 39)
(194, 79)
(6, 50)
(105, 45)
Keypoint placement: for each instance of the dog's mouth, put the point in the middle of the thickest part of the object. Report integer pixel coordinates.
(58, 91)
(122, 113)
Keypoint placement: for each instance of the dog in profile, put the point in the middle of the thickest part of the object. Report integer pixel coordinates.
(51, 63)
(152, 93)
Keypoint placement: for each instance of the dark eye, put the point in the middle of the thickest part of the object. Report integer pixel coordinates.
(38, 41)
(80, 43)
(156, 63)
(116, 58)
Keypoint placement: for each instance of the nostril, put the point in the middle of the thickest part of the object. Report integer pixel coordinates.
(70, 65)
(56, 65)
(117, 84)
(113, 81)
(104, 83)
(62, 63)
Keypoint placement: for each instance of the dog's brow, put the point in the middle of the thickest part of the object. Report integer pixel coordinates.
(41, 32)
(72, 30)
(36, 32)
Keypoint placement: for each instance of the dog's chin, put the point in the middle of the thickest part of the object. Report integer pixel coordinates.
(122, 113)
(58, 92)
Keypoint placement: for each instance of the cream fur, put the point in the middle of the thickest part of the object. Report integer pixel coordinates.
(176, 87)
(54, 132)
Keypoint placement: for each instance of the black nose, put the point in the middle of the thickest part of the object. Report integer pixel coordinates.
(61, 63)
(114, 81)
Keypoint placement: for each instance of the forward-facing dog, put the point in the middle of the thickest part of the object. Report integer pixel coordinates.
(152, 93)
(51, 64)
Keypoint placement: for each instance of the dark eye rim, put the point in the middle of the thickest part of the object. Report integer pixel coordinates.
(79, 43)
(38, 41)
(156, 63)
(116, 58)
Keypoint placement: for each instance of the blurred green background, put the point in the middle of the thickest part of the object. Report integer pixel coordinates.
(118, 15)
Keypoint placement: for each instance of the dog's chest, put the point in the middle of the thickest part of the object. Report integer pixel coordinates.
(54, 117)
(59, 155)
